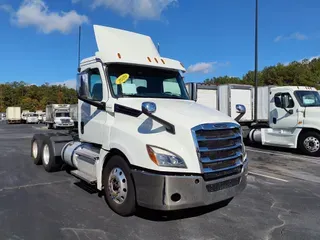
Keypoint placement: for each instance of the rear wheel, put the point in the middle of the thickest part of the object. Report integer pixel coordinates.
(309, 143)
(49, 161)
(36, 149)
(119, 187)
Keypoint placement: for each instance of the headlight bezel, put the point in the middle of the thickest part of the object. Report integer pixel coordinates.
(164, 158)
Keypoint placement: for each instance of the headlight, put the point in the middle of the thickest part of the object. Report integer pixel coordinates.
(165, 158)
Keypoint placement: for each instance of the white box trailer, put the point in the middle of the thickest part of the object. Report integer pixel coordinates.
(13, 115)
(74, 113)
(58, 115)
(232, 94)
(206, 95)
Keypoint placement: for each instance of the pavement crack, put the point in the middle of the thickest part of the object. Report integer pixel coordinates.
(279, 216)
(32, 185)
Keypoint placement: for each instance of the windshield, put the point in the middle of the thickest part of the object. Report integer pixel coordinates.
(146, 82)
(308, 98)
(62, 114)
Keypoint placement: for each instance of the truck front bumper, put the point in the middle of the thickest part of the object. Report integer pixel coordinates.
(64, 124)
(172, 192)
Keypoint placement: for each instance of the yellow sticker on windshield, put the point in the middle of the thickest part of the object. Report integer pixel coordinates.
(122, 78)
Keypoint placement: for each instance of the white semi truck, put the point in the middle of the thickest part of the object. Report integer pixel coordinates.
(286, 116)
(13, 115)
(140, 143)
(32, 117)
(58, 116)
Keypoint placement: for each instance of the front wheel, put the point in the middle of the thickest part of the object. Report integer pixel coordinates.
(119, 187)
(309, 143)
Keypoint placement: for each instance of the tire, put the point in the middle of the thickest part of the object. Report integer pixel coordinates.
(309, 143)
(36, 149)
(49, 161)
(117, 169)
(49, 125)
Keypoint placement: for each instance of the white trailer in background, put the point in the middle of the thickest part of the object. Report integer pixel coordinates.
(24, 115)
(286, 116)
(40, 115)
(140, 138)
(13, 115)
(74, 113)
(58, 116)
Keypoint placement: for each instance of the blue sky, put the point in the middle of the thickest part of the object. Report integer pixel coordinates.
(211, 37)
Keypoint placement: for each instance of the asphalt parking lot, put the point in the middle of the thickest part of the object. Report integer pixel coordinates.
(281, 201)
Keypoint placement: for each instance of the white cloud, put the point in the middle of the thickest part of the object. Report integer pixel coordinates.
(294, 36)
(309, 59)
(36, 13)
(68, 83)
(137, 9)
(6, 8)
(201, 67)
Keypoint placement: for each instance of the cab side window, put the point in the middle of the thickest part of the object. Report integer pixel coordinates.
(286, 99)
(95, 85)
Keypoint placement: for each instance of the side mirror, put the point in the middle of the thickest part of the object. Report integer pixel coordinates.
(148, 108)
(278, 101)
(241, 109)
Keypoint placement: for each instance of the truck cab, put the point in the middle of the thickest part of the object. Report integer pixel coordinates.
(32, 117)
(294, 118)
(140, 138)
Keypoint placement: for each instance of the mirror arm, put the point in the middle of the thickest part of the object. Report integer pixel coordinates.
(288, 111)
(99, 105)
(168, 126)
(239, 117)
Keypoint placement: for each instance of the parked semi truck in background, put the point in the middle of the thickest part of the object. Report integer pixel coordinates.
(58, 116)
(141, 143)
(13, 115)
(32, 117)
(287, 116)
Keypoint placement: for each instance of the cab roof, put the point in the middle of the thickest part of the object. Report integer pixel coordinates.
(120, 46)
(295, 88)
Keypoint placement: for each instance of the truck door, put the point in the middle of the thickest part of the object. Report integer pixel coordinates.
(91, 88)
(283, 118)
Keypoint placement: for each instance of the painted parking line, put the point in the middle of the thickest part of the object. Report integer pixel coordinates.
(267, 176)
(280, 154)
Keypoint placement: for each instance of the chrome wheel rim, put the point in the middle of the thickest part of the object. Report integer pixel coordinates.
(34, 149)
(117, 185)
(46, 154)
(312, 144)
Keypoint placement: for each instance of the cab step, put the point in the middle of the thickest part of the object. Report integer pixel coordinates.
(85, 177)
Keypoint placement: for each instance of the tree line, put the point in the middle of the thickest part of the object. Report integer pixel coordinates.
(32, 97)
(304, 73)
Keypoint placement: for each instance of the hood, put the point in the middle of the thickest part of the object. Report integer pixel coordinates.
(183, 112)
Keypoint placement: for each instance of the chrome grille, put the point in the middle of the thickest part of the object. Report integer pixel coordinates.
(219, 149)
(65, 120)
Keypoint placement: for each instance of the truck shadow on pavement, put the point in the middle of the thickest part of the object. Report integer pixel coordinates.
(163, 216)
